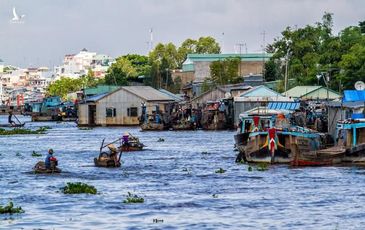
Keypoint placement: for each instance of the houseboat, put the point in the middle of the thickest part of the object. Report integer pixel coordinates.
(349, 148)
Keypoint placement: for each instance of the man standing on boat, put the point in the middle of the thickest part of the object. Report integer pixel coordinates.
(10, 119)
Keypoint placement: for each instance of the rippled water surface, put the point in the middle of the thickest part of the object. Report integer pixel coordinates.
(177, 180)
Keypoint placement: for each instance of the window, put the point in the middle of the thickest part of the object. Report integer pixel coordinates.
(111, 112)
(132, 112)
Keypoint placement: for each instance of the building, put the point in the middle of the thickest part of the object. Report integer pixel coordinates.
(312, 93)
(122, 106)
(256, 97)
(76, 65)
(29, 84)
(220, 92)
(199, 64)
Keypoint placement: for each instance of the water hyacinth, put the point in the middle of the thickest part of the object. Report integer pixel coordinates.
(35, 154)
(220, 170)
(78, 188)
(132, 198)
(22, 131)
(10, 209)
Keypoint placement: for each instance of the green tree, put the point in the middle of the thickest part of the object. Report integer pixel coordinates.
(120, 72)
(64, 86)
(204, 45)
(272, 70)
(225, 71)
(353, 65)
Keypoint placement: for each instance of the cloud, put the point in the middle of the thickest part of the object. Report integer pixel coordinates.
(115, 27)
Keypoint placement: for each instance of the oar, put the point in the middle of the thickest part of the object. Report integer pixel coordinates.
(17, 119)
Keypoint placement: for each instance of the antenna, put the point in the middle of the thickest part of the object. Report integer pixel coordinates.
(263, 53)
(151, 39)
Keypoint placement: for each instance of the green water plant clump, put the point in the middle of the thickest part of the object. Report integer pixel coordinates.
(262, 166)
(220, 170)
(79, 187)
(22, 131)
(10, 209)
(35, 154)
(132, 198)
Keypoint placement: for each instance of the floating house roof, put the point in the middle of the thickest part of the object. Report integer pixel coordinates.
(312, 92)
(261, 93)
(144, 92)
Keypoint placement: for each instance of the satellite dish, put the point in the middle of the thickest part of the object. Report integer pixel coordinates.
(359, 85)
(227, 95)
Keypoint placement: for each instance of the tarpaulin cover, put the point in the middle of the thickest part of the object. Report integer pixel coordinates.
(354, 95)
(284, 105)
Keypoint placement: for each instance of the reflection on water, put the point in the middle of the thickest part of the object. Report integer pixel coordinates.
(177, 179)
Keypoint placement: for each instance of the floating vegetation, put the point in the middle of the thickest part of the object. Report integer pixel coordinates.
(79, 187)
(132, 198)
(18, 155)
(22, 131)
(35, 154)
(205, 152)
(157, 220)
(160, 140)
(241, 162)
(262, 166)
(45, 127)
(10, 209)
(220, 170)
(215, 195)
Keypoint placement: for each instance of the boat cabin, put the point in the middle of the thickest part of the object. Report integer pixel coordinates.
(350, 133)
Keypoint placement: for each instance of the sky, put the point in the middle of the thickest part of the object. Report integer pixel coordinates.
(53, 28)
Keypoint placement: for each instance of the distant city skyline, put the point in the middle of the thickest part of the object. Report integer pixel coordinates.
(54, 28)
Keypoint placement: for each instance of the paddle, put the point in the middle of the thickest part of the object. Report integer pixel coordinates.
(17, 119)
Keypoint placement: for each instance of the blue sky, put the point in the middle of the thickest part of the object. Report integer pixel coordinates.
(54, 28)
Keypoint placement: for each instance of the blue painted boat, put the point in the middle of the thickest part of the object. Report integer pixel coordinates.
(266, 135)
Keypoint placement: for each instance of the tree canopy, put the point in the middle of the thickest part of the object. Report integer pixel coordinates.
(313, 50)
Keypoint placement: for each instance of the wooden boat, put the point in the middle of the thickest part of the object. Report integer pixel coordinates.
(266, 135)
(132, 146)
(40, 168)
(183, 126)
(108, 158)
(322, 157)
(106, 161)
(152, 127)
(12, 126)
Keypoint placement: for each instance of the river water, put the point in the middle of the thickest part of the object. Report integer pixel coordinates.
(177, 179)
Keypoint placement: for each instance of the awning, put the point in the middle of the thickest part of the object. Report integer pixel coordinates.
(284, 105)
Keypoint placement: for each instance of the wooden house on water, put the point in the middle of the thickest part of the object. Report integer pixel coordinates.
(122, 106)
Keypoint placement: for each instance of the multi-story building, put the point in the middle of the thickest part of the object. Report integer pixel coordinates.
(28, 84)
(76, 65)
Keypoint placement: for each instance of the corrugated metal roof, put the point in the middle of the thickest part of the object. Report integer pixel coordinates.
(299, 91)
(148, 93)
(283, 105)
(172, 95)
(354, 95)
(96, 97)
(349, 104)
(217, 57)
